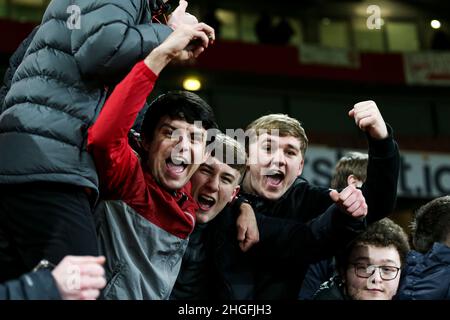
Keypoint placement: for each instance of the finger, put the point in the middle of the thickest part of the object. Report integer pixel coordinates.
(246, 245)
(334, 195)
(88, 283)
(92, 270)
(350, 200)
(361, 211)
(85, 259)
(354, 207)
(364, 114)
(344, 194)
(182, 6)
(203, 38)
(351, 113)
(241, 233)
(91, 294)
(364, 105)
(198, 51)
(206, 29)
(366, 123)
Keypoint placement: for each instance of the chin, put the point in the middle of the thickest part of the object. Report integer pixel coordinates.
(202, 219)
(270, 195)
(174, 184)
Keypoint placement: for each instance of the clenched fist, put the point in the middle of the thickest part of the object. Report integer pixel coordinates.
(368, 118)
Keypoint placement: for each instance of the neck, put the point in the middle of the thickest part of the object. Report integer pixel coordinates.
(246, 184)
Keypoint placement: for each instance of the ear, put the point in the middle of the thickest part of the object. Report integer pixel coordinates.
(206, 155)
(300, 168)
(235, 192)
(145, 144)
(354, 181)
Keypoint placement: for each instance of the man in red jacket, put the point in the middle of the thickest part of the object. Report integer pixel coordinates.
(148, 213)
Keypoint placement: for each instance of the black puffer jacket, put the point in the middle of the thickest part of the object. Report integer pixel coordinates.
(61, 85)
(14, 62)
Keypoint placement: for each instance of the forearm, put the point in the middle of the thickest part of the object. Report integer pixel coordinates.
(380, 188)
(38, 285)
(320, 238)
(122, 107)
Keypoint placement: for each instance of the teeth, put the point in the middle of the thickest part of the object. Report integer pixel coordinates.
(207, 200)
(177, 161)
(274, 172)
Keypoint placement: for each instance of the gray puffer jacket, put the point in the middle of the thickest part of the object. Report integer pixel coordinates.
(62, 83)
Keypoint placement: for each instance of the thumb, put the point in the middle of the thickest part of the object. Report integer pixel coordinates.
(351, 113)
(334, 195)
(240, 234)
(182, 6)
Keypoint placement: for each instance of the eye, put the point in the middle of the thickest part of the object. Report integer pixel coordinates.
(389, 269)
(291, 153)
(267, 147)
(205, 170)
(226, 180)
(167, 132)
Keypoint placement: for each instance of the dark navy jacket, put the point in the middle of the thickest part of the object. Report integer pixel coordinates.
(426, 276)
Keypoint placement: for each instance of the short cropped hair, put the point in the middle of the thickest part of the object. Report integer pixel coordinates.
(230, 152)
(431, 224)
(354, 163)
(177, 105)
(383, 233)
(286, 126)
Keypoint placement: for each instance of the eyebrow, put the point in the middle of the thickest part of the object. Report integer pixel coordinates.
(382, 261)
(290, 146)
(207, 166)
(195, 130)
(225, 174)
(229, 175)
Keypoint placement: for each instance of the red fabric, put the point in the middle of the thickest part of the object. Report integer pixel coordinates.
(121, 174)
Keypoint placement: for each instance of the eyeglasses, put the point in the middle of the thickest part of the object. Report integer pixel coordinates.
(365, 271)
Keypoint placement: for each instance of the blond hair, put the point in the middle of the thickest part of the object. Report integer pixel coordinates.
(285, 125)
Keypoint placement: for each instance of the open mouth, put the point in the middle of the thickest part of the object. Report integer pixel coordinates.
(275, 178)
(176, 165)
(206, 202)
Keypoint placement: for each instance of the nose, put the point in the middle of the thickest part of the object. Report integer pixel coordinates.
(376, 276)
(279, 158)
(183, 143)
(213, 183)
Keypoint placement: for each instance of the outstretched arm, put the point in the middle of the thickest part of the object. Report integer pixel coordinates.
(321, 237)
(380, 187)
(108, 137)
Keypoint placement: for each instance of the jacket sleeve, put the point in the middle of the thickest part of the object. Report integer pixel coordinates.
(38, 285)
(318, 239)
(110, 39)
(380, 187)
(14, 63)
(117, 165)
(316, 274)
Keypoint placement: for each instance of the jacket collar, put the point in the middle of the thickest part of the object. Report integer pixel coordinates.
(440, 252)
(258, 201)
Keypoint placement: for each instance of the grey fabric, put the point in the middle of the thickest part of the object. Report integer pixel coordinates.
(62, 83)
(142, 260)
